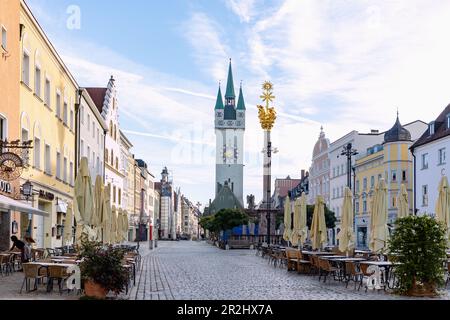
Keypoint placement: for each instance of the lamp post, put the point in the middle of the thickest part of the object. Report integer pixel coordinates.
(349, 152)
(267, 117)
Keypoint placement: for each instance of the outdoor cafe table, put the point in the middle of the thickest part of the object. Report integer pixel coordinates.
(317, 253)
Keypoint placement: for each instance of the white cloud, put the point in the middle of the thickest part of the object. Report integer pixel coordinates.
(244, 9)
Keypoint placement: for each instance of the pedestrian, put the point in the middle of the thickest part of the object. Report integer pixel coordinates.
(21, 246)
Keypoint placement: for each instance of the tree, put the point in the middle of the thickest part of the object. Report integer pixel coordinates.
(224, 220)
(330, 218)
(419, 246)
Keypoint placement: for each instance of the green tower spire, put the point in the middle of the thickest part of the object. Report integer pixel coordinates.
(241, 102)
(230, 85)
(219, 102)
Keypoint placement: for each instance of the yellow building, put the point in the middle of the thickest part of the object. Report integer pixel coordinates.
(391, 161)
(47, 100)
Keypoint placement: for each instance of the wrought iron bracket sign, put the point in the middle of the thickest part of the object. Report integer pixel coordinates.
(13, 158)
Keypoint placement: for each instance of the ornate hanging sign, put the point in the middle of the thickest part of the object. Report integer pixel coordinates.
(13, 158)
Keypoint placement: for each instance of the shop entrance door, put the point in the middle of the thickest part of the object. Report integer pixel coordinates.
(39, 227)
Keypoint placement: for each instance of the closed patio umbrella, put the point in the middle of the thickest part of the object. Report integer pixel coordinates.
(303, 224)
(68, 223)
(107, 216)
(119, 230)
(296, 230)
(287, 219)
(84, 199)
(125, 226)
(346, 236)
(113, 225)
(318, 226)
(96, 219)
(443, 205)
(380, 233)
(402, 203)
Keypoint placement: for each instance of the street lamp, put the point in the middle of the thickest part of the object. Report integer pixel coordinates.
(348, 151)
(267, 117)
(27, 189)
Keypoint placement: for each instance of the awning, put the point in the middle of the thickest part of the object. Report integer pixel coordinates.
(9, 204)
(61, 207)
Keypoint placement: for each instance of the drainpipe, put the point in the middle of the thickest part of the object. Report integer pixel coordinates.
(414, 184)
(77, 133)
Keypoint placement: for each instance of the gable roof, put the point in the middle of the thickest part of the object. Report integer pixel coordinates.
(98, 96)
(225, 199)
(440, 130)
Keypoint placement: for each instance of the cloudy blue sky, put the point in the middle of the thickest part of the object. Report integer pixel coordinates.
(341, 64)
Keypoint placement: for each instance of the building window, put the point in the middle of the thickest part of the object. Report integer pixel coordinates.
(98, 166)
(93, 159)
(4, 38)
(117, 163)
(111, 129)
(37, 153)
(334, 172)
(337, 171)
(58, 165)
(71, 173)
(365, 184)
(393, 202)
(93, 129)
(425, 161)
(82, 114)
(403, 175)
(88, 154)
(47, 93)
(65, 170)
(442, 156)
(3, 129)
(119, 196)
(394, 175)
(47, 160)
(431, 128)
(112, 158)
(24, 139)
(357, 206)
(379, 176)
(334, 193)
(106, 155)
(81, 148)
(114, 194)
(98, 136)
(71, 119)
(425, 195)
(37, 81)
(26, 69)
(372, 182)
(342, 191)
(357, 186)
(448, 121)
(58, 105)
(89, 122)
(364, 205)
(65, 113)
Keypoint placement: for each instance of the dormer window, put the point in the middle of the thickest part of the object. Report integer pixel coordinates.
(431, 128)
(448, 121)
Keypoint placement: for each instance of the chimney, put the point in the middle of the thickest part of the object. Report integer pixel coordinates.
(303, 174)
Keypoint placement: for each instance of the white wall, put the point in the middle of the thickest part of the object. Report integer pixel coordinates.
(430, 177)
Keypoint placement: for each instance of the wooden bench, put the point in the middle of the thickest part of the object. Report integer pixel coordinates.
(295, 260)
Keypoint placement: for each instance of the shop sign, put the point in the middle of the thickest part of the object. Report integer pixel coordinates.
(5, 187)
(46, 195)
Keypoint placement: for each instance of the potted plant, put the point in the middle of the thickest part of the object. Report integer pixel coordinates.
(418, 244)
(101, 269)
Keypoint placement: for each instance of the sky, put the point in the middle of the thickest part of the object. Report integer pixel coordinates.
(341, 64)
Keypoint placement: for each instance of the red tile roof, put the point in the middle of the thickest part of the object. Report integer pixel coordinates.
(440, 130)
(98, 96)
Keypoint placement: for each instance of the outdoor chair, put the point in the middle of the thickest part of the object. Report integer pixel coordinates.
(12, 262)
(4, 265)
(315, 266)
(448, 273)
(327, 269)
(31, 271)
(352, 273)
(50, 252)
(56, 273)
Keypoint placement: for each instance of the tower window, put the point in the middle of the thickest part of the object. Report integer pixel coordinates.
(431, 128)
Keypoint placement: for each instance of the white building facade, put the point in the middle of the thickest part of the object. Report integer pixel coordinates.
(106, 102)
(319, 172)
(431, 163)
(90, 138)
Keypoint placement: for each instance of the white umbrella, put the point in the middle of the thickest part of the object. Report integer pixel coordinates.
(380, 232)
(443, 205)
(287, 219)
(318, 226)
(402, 203)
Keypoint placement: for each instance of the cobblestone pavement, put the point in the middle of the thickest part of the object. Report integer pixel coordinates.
(198, 271)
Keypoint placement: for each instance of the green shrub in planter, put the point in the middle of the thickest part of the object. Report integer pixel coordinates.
(419, 245)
